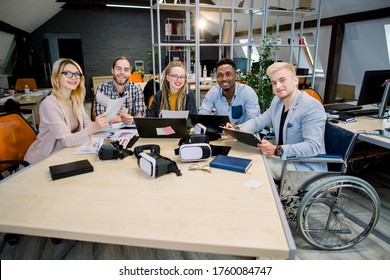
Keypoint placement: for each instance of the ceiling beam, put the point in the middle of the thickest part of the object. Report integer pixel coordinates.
(5, 27)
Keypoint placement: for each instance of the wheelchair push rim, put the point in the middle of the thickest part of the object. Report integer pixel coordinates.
(338, 213)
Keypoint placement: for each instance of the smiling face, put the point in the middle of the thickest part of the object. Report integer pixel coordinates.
(72, 82)
(176, 78)
(226, 77)
(121, 71)
(284, 83)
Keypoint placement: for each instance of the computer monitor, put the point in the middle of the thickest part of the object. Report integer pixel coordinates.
(374, 89)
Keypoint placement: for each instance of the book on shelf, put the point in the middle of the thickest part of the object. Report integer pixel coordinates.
(231, 163)
(168, 29)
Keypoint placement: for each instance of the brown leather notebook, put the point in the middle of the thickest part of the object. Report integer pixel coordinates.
(70, 169)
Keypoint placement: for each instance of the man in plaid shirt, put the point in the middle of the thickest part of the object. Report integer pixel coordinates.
(119, 87)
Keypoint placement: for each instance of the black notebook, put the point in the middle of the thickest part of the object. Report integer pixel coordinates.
(70, 169)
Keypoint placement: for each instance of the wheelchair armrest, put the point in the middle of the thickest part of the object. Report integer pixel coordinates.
(322, 158)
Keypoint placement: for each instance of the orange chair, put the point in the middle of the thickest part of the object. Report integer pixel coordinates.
(313, 94)
(150, 101)
(16, 136)
(136, 78)
(20, 83)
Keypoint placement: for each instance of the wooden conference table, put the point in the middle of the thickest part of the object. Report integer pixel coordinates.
(119, 204)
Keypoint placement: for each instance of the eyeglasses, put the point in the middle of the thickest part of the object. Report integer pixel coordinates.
(177, 77)
(194, 167)
(69, 74)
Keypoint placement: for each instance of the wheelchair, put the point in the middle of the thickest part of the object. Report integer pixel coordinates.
(331, 210)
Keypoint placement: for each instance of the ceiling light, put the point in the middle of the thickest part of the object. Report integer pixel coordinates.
(202, 23)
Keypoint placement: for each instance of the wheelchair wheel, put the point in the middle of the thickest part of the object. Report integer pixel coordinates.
(314, 181)
(338, 213)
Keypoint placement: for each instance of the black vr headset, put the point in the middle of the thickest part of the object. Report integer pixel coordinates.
(112, 150)
(153, 163)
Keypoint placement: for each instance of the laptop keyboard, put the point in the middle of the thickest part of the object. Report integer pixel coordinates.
(365, 112)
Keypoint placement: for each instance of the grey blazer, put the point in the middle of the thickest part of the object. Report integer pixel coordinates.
(303, 131)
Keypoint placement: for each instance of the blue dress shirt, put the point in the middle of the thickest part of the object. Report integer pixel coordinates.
(244, 105)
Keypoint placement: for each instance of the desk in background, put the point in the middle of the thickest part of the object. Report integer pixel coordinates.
(368, 123)
(120, 204)
(33, 104)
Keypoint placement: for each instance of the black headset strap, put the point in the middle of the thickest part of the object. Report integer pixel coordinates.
(125, 153)
(172, 167)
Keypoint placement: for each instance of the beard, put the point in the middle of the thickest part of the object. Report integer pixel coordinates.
(120, 82)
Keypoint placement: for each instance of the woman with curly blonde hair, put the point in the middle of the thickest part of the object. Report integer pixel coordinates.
(63, 120)
(174, 94)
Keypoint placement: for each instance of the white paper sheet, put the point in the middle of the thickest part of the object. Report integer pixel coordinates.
(113, 107)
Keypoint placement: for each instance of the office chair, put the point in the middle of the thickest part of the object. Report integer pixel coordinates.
(332, 211)
(149, 91)
(136, 78)
(313, 93)
(20, 83)
(15, 138)
(150, 102)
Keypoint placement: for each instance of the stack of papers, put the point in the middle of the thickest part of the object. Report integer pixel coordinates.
(122, 136)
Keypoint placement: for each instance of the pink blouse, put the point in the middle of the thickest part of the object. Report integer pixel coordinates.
(57, 130)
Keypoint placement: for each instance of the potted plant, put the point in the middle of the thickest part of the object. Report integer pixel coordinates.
(149, 57)
(256, 77)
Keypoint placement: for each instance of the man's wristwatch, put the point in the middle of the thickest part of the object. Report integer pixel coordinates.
(279, 151)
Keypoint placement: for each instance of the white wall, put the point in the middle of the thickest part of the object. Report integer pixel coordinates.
(284, 52)
(364, 48)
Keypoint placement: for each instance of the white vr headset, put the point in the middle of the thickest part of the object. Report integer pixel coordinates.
(194, 152)
(153, 164)
(194, 148)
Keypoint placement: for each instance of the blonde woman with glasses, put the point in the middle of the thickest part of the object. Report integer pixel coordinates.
(63, 120)
(174, 94)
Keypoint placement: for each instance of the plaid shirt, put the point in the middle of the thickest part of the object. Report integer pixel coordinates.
(134, 101)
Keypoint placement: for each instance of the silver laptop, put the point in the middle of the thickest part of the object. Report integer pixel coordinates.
(161, 127)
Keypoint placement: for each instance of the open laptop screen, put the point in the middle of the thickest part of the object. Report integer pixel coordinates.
(161, 127)
(213, 121)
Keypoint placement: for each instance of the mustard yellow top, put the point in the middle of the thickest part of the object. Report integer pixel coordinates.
(172, 103)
